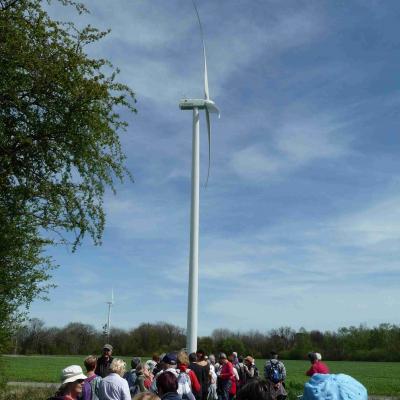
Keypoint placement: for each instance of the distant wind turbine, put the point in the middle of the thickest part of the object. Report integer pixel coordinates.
(209, 106)
(110, 304)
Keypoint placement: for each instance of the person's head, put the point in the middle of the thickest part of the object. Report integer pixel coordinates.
(146, 396)
(118, 366)
(255, 390)
(151, 365)
(319, 357)
(211, 358)
(107, 350)
(169, 360)
(135, 362)
(234, 354)
(139, 369)
(240, 359)
(155, 357)
(249, 360)
(90, 363)
(72, 378)
(166, 383)
(183, 358)
(274, 355)
(192, 357)
(312, 357)
(222, 358)
(200, 354)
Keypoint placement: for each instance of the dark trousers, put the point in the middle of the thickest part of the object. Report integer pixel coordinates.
(224, 386)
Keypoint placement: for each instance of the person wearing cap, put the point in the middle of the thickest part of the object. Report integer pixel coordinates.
(169, 363)
(225, 376)
(104, 362)
(113, 386)
(317, 366)
(72, 378)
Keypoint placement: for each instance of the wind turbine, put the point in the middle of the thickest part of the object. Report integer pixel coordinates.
(208, 106)
(110, 304)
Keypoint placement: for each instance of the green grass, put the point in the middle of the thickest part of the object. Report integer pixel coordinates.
(378, 378)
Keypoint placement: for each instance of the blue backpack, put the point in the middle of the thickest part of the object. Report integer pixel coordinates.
(274, 373)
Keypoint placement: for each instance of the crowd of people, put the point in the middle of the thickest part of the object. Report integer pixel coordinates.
(178, 376)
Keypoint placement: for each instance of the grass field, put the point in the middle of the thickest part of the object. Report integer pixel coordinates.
(378, 378)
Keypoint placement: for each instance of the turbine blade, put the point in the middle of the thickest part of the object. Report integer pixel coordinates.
(112, 296)
(209, 143)
(206, 90)
(212, 108)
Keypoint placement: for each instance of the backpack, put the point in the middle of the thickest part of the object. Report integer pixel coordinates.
(274, 372)
(242, 374)
(131, 377)
(184, 386)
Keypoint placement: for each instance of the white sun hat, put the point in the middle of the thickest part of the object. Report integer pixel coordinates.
(72, 374)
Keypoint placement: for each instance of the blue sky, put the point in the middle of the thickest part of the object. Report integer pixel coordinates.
(300, 223)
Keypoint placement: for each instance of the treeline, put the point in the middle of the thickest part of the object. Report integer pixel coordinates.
(381, 343)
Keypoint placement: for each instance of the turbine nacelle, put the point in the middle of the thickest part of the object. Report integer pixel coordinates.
(201, 104)
(189, 104)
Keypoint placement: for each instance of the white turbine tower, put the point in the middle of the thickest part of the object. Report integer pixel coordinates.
(110, 304)
(208, 106)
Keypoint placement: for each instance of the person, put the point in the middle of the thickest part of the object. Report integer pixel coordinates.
(234, 358)
(331, 386)
(203, 373)
(193, 382)
(140, 378)
(275, 370)
(275, 375)
(151, 364)
(148, 377)
(169, 364)
(250, 369)
(92, 382)
(104, 362)
(146, 396)
(113, 386)
(225, 376)
(212, 389)
(256, 389)
(72, 379)
(198, 371)
(131, 376)
(235, 380)
(167, 384)
(240, 368)
(317, 366)
(158, 367)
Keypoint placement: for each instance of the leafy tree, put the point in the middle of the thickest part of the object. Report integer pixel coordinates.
(59, 145)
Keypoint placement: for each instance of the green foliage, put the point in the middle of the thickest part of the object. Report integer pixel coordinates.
(59, 145)
(15, 393)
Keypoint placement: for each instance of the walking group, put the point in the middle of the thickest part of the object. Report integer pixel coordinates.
(180, 376)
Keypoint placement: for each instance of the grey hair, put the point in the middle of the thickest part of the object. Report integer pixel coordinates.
(118, 366)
